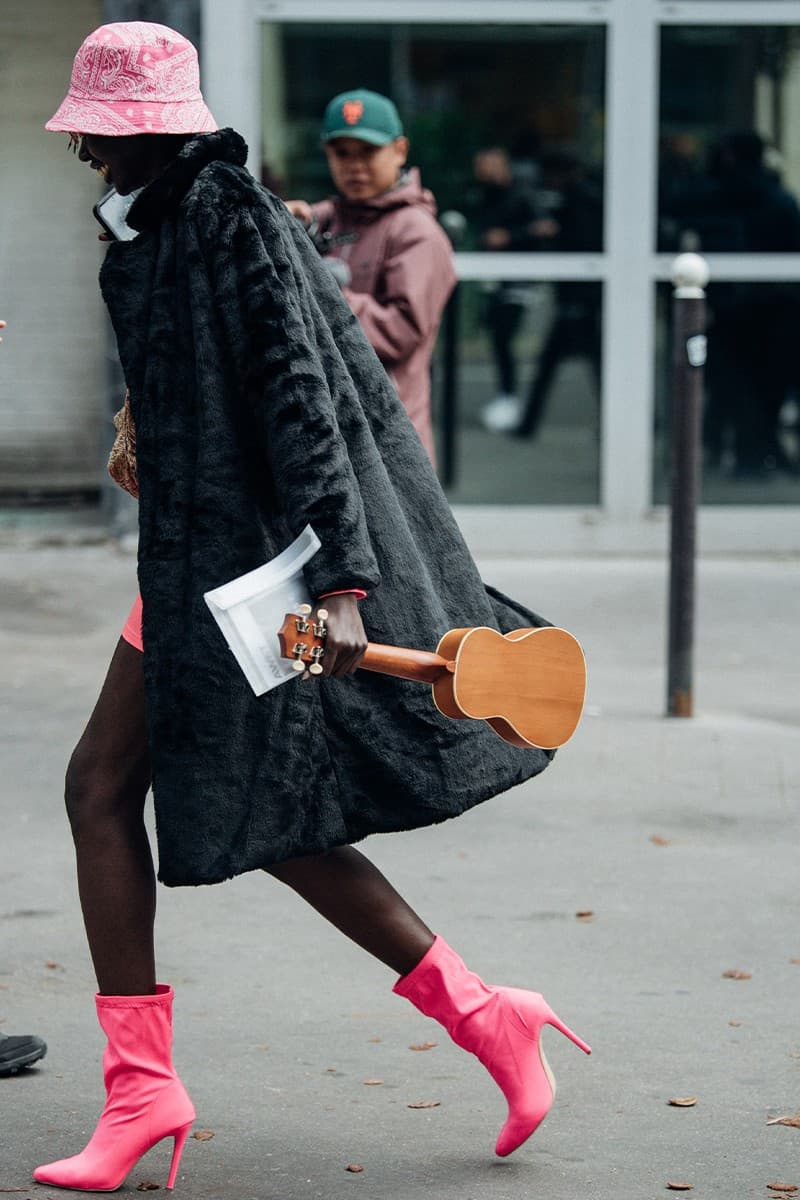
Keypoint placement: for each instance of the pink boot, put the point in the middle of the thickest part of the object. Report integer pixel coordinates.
(145, 1099)
(501, 1026)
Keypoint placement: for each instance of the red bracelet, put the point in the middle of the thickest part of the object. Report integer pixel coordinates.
(359, 593)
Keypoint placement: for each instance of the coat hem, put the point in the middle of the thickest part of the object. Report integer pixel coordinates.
(171, 879)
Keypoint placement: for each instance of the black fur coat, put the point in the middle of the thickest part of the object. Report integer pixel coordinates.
(259, 407)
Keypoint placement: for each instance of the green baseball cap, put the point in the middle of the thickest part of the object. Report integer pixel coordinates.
(362, 114)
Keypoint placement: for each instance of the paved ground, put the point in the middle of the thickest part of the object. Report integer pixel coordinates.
(279, 1022)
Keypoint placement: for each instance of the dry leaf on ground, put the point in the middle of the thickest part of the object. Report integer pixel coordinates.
(793, 1121)
(658, 840)
(148, 1186)
(680, 1187)
(425, 1104)
(735, 1024)
(374, 1039)
(371, 1082)
(53, 966)
(424, 1046)
(796, 961)
(585, 914)
(203, 1135)
(354, 1168)
(683, 1101)
(733, 974)
(784, 1189)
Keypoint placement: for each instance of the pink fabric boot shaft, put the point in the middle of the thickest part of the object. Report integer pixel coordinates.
(500, 1026)
(146, 1100)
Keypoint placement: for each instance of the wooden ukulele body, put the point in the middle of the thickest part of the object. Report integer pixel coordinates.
(528, 685)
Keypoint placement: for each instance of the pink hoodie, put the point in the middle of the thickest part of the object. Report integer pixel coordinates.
(402, 275)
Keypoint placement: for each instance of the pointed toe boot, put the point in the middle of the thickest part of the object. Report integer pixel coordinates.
(145, 1100)
(501, 1026)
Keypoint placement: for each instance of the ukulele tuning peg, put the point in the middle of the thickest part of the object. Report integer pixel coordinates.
(298, 652)
(304, 610)
(322, 614)
(315, 668)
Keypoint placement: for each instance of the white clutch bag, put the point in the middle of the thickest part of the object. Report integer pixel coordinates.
(250, 611)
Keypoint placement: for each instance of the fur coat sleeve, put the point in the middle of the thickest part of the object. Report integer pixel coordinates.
(262, 303)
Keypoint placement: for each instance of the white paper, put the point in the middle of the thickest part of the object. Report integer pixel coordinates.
(250, 610)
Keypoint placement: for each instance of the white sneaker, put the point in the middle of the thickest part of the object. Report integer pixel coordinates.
(503, 414)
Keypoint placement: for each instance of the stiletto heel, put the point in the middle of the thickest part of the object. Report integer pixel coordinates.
(177, 1151)
(501, 1026)
(558, 1024)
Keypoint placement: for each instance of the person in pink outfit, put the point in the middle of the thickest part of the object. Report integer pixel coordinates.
(395, 260)
(256, 406)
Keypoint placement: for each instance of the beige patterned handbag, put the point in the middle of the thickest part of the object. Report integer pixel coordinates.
(122, 459)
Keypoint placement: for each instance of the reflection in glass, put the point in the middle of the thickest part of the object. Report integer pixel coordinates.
(751, 420)
(730, 139)
(532, 95)
(526, 425)
(555, 206)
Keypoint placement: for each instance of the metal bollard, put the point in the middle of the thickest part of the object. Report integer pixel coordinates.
(455, 226)
(689, 275)
(449, 411)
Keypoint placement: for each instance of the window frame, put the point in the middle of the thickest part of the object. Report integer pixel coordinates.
(626, 518)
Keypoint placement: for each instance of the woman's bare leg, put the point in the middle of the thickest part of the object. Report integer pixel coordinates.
(107, 782)
(354, 896)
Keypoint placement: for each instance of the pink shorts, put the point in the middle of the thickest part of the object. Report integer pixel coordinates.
(132, 629)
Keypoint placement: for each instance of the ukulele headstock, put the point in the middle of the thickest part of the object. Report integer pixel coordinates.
(302, 638)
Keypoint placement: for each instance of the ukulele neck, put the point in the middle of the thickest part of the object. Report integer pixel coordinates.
(420, 665)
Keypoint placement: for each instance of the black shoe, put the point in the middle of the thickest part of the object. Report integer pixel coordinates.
(21, 1051)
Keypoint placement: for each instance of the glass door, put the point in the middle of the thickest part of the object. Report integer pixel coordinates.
(729, 181)
(507, 127)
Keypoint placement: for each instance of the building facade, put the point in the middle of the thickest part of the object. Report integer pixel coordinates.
(574, 146)
(642, 128)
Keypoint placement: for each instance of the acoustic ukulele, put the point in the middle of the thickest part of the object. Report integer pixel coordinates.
(528, 685)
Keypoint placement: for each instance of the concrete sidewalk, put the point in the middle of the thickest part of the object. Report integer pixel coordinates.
(279, 1021)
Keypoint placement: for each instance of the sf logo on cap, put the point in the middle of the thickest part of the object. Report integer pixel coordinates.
(352, 111)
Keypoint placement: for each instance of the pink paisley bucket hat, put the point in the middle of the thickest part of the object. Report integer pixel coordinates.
(134, 77)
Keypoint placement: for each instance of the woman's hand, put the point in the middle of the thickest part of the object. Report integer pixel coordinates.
(347, 639)
(300, 209)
